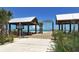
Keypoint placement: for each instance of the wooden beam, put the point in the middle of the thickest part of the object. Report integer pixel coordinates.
(35, 28)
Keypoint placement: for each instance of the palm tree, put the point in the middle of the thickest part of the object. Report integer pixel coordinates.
(8, 14)
(4, 18)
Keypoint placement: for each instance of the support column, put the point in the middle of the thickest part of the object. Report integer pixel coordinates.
(62, 27)
(9, 28)
(59, 26)
(65, 28)
(35, 29)
(74, 28)
(17, 27)
(78, 27)
(22, 30)
(28, 28)
(19, 30)
(52, 26)
(6, 29)
(69, 27)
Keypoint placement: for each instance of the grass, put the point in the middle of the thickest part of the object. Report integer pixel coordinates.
(66, 42)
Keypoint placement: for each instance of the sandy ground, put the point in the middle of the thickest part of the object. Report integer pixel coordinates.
(33, 43)
(26, 45)
(45, 35)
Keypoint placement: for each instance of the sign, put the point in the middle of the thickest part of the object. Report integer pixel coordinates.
(19, 27)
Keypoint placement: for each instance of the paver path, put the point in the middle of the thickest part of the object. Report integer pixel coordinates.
(26, 45)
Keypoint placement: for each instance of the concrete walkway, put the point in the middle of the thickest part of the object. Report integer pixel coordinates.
(26, 45)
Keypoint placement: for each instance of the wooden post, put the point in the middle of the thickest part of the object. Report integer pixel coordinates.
(65, 28)
(22, 30)
(9, 28)
(62, 27)
(52, 26)
(59, 26)
(28, 29)
(17, 26)
(35, 28)
(74, 28)
(78, 27)
(6, 29)
(69, 27)
(19, 30)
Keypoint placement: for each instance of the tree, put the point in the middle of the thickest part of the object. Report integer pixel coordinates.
(4, 18)
(9, 15)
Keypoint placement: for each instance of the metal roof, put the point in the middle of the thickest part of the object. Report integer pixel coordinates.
(25, 19)
(72, 16)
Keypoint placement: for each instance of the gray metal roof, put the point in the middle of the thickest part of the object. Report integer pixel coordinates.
(72, 16)
(25, 19)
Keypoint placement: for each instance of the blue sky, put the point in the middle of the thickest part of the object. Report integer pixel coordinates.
(42, 13)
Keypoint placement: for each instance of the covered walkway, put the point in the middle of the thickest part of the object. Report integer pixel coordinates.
(68, 19)
(21, 22)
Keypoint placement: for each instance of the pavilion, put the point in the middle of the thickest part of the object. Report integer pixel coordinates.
(63, 19)
(21, 22)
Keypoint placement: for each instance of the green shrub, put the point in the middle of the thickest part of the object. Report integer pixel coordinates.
(66, 42)
(9, 38)
(2, 39)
